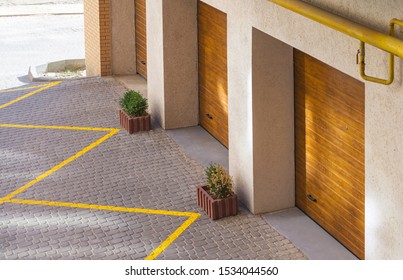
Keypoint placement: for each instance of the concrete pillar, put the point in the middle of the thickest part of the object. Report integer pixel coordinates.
(240, 132)
(172, 68)
(273, 123)
(123, 38)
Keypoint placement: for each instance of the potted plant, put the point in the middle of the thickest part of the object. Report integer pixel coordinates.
(217, 198)
(133, 114)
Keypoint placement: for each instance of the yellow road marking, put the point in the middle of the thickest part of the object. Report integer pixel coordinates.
(57, 127)
(62, 164)
(173, 237)
(29, 94)
(100, 207)
(192, 217)
(112, 131)
(19, 89)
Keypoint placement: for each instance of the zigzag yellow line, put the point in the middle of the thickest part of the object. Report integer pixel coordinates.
(171, 238)
(29, 94)
(60, 165)
(112, 131)
(20, 89)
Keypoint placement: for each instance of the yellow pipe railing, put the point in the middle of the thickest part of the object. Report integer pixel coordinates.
(364, 34)
(361, 53)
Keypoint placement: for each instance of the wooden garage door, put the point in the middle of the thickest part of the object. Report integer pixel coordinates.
(213, 89)
(329, 139)
(141, 35)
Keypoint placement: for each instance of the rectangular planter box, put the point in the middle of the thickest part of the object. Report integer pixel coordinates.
(216, 208)
(134, 124)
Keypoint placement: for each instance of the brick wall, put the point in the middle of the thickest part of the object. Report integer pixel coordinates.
(97, 28)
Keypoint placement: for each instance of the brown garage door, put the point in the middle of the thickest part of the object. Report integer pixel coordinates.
(141, 35)
(213, 89)
(329, 139)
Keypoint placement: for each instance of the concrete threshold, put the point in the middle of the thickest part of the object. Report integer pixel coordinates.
(307, 235)
(200, 145)
(133, 82)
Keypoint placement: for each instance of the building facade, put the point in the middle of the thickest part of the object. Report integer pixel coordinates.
(283, 93)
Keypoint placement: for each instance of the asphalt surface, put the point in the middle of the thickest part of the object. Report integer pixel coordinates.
(35, 32)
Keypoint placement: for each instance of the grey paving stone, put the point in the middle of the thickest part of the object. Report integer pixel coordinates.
(146, 170)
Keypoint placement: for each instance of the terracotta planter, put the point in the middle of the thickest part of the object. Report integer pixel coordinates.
(134, 124)
(216, 208)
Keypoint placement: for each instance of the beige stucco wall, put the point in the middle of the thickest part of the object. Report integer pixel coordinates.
(173, 79)
(272, 123)
(384, 116)
(384, 153)
(123, 37)
(180, 68)
(155, 62)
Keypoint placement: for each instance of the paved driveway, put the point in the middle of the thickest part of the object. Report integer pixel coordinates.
(72, 186)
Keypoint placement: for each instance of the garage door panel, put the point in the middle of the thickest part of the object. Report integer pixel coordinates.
(217, 68)
(340, 221)
(320, 146)
(353, 156)
(331, 159)
(335, 164)
(209, 14)
(318, 70)
(348, 189)
(217, 107)
(330, 114)
(328, 195)
(352, 242)
(206, 96)
(330, 149)
(345, 100)
(141, 35)
(334, 135)
(339, 108)
(330, 211)
(343, 103)
(215, 88)
(214, 109)
(335, 127)
(213, 82)
(318, 116)
(214, 119)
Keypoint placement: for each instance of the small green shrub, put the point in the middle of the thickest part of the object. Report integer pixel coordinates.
(134, 104)
(219, 182)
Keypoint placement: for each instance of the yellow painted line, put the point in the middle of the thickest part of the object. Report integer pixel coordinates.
(20, 89)
(100, 207)
(29, 94)
(192, 217)
(112, 131)
(173, 237)
(57, 127)
(62, 164)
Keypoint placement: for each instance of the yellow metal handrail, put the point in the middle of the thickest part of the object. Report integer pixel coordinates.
(361, 53)
(388, 43)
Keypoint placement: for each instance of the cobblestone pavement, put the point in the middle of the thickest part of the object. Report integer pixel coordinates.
(147, 170)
